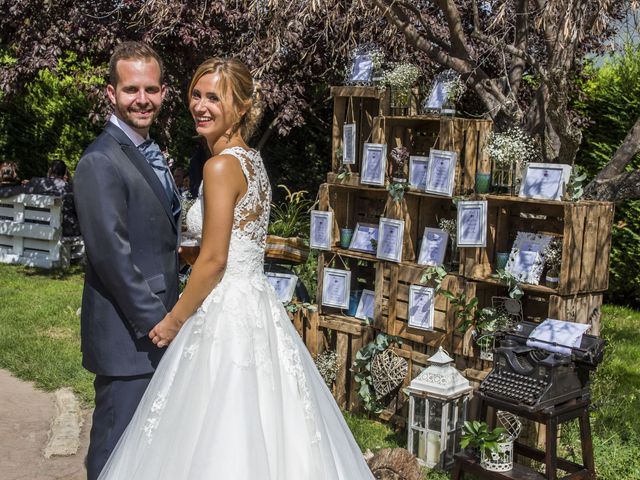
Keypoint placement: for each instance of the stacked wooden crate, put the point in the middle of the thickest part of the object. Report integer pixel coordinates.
(585, 228)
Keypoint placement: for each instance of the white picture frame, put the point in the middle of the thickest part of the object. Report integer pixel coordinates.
(349, 144)
(545, 181)
(433, 247)
(364, 236)
(418, 171)
(361, 71)
(321, 234)
(471, 225)
(441, 172)
(421, 307)
(526, 259)
(374, 164)
(336, 288)
(284, 285)
(366, 305)
(390, 240)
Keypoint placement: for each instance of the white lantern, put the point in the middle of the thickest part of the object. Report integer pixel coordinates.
(438, 399)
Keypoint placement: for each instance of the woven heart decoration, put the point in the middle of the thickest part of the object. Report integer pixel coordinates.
(388, 370)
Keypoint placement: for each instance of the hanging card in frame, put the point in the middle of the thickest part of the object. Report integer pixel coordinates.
(421, 307)
(545, 181)
(390, 239)
(321, 236)
(418, 171)
(433, 247)
(442, 170)
(336, 286)
(365, 238)
(374, 164)
(284, 284)
(349, 144)
(472, 224)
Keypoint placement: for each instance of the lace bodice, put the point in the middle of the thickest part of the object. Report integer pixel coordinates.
(250, 218)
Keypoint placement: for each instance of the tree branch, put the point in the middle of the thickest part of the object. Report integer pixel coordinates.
(427, 30)
(459, 46)
(511, 50)
(615, 168)
(625, 186)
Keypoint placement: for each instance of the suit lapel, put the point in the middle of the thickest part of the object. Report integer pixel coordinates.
(137, 159)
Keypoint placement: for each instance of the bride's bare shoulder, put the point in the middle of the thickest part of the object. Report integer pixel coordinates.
(222, 165)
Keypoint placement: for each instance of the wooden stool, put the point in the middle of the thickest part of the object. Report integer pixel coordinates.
(551, 418)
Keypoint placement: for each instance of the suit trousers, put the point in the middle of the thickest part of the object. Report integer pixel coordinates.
(116, 401)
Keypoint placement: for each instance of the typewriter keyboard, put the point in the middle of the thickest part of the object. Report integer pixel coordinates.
(514, 387)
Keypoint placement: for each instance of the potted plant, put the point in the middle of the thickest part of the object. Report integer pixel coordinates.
(289, 228)
(510, 153)
(493, 446)
(400, 81)
(490, 320)
(553, 260)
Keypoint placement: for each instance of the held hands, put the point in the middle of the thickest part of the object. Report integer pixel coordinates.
(165, 331)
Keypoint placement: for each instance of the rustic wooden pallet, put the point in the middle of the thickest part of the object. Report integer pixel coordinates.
(585, 229)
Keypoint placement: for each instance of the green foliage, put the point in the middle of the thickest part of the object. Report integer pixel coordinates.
(611, 101)
(477, 435)
(396, 190)
(464, 309)
(434, 274)
(51, 120)
(362, 369)
(291, 217)
(515, 289)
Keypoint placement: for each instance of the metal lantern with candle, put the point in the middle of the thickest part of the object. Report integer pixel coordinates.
(438, 399)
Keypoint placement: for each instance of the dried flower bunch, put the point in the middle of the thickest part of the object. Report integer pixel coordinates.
(553, 255)
(513, 147)
(327, 364)
(449, 226)
(400, 155)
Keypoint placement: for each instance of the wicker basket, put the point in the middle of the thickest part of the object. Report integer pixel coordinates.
(292, 249)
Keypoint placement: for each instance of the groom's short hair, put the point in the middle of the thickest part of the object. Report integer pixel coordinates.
(132, 50)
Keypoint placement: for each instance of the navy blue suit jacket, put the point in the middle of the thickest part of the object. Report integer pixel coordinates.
(130, 238)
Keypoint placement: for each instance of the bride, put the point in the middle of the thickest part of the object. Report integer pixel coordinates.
(236, 396)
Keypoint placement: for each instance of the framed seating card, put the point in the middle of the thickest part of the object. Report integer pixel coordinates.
(365, 306)
(441, 172)
(320, 236)
(418, 170)
(374, 164)
(284, 284)
(365, 238)
(336, 287)
(433, 247)
(545, 181)
(472, 224)
(390, 239)
(349, 144)
(361, 71)
(421, 307)
(526, 260)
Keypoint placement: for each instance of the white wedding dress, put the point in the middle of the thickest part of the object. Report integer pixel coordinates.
(237, 395)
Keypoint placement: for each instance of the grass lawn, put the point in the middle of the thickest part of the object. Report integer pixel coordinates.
(39, 341)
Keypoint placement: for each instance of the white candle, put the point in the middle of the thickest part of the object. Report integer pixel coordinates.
(433, 448)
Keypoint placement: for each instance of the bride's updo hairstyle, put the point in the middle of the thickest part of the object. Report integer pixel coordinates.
(234, 76)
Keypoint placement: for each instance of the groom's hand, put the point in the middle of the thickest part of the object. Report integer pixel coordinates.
(165, 331)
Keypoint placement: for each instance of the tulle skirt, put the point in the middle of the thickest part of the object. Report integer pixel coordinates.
(237, 397)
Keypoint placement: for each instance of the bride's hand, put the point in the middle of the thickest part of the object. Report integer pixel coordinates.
(165, 331)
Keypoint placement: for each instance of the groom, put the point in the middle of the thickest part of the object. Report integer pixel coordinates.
(128, 209)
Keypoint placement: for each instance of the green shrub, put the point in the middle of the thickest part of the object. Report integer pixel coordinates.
(612, 103)
(50, 120)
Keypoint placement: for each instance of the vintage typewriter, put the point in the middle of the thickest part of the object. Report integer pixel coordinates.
(535, 378)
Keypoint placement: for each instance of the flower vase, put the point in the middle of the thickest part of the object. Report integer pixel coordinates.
(503, 177)
(552, 278)
(448, 108)
(454, 261)
(399, 99)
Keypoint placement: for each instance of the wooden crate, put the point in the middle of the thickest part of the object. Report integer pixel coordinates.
(352, 205)
(31, 231)
(345, 335)
(359, 105)
(307, 323)
(419, 134)
(539, 304)
(585, 228)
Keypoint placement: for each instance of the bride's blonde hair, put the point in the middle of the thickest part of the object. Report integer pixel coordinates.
(236, 77)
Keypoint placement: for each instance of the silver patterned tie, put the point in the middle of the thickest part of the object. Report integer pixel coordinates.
(154, 156)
